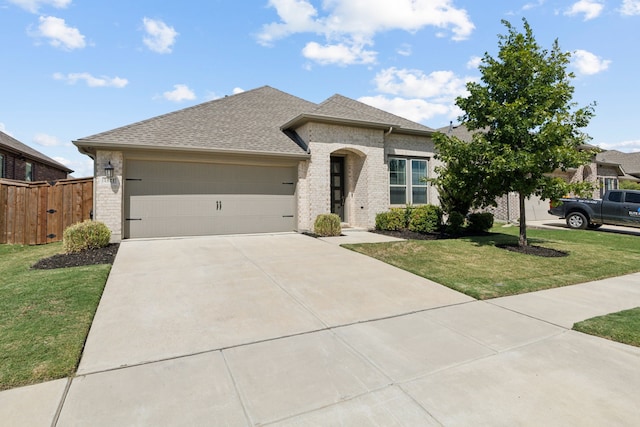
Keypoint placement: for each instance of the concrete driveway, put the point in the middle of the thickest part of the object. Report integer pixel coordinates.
(290, 330)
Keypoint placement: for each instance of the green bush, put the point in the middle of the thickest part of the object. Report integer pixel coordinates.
(455, 223)
(85, 235)
(394, 220)
(480, 221)
(327, 225)
(425, 219)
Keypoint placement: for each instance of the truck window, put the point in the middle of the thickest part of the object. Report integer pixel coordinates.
(632, 198)
(615, 196)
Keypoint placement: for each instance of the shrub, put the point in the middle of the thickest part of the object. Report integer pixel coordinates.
(85, 235)
(394, 220)
(327, 225)
(425, 219)
(480, 221)
(455, 223)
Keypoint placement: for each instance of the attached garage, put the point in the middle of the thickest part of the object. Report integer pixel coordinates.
(167, 199)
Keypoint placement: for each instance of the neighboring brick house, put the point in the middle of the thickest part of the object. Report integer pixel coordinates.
(22, 163)
(259, 161)
(604, 171)
(629, 162)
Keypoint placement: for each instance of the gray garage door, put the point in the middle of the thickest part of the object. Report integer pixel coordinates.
(165, 199)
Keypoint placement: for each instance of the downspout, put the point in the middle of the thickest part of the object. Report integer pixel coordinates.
(387, 133)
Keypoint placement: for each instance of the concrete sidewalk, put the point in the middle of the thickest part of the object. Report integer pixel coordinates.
(556, 224)
(290, 330)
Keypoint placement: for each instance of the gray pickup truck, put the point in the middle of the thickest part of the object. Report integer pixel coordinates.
(617, 207)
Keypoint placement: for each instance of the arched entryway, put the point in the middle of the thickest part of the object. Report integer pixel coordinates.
(346, 193)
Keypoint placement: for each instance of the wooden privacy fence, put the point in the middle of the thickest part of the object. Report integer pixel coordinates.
(34, 213)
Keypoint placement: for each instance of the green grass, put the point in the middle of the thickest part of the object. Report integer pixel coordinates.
(45, 315)
(476, 267)
(623, 326)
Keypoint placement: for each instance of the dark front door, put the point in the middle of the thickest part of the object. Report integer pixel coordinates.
(337, 186)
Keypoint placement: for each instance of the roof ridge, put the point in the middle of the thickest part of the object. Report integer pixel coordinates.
(30, 151)
(347, 102)
(180, 111)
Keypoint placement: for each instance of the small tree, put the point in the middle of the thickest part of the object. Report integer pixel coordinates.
(524, 122)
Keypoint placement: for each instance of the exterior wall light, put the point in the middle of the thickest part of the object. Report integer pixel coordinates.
(108, 171)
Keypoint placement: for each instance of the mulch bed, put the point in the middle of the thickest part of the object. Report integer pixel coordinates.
(104, 255)
(527, 250)
(534, 250)
(412, 235)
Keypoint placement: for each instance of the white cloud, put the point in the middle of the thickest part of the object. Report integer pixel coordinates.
(34, 5)
(340, 54)
(348, 26)
(160, 37)
(46, 140)
(3, 129)
(630, 7)
(179, 93)
(587, 63)
(418, 96)
(590, 8)
(533, 5)
(82, 166)
(418, 110)
(440, 85)
(624, 146)
(59, 34)
(405, 50)
(91, 81)
(474, 62)
(237, 90)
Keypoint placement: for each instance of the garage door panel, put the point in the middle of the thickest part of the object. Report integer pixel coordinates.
(150, 178)
(246, 199)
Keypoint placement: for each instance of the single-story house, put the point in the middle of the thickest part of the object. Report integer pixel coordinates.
(258, 161)
(20, 162)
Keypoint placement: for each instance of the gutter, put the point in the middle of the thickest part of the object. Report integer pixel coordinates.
(89, 148)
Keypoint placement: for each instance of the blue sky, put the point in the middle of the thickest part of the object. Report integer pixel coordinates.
(73, 68)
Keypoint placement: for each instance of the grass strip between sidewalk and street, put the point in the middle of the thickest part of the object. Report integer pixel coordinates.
(45, 315)
(623, 326)
(477, 267)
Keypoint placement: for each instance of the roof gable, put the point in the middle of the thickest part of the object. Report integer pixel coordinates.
(18, 147)
(343, 110)
(630, 162)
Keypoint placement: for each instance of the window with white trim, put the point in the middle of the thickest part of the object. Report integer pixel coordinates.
(408, 181)
(607, 184)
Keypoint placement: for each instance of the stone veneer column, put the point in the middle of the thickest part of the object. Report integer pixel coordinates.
(109, 192)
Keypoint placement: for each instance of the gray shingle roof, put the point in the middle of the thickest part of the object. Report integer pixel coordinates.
(18, 147)
(248, 121)
(251, 121)
(339, 106)
(630, 162)
(459, 131)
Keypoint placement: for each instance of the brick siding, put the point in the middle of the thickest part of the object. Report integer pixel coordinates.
(15, 168)
(109, 192)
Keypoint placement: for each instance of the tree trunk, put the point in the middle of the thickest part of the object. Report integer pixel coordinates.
(522, 241)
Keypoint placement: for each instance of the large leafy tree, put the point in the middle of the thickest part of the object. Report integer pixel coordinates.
(524, 123)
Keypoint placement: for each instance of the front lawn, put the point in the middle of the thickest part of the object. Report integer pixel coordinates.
(623, 326)
(45, 315)
(476, 267)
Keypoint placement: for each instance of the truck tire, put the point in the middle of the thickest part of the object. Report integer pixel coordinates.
(577, 221)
